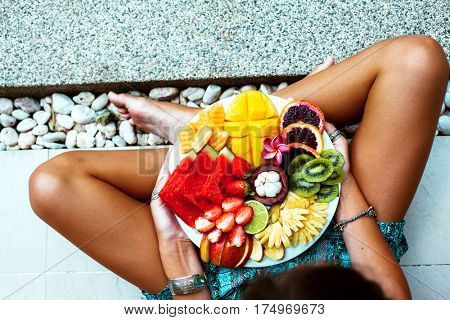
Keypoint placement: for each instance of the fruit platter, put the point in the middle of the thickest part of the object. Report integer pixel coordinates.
(254, 180)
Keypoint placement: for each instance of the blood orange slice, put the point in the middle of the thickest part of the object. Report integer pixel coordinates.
(295, 150)
(303, 133)
(302, 111)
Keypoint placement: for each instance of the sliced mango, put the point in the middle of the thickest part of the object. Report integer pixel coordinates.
(256, 106)
(219, 139)
(237, 110)
(241, 147)
(202, 137)
(264, 128)
(236, 129)
(203, 119)
(271, 110)
(257, 146)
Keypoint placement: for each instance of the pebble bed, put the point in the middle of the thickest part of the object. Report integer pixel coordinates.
(86, 121)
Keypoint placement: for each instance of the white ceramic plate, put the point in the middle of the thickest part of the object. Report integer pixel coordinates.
(290, 252)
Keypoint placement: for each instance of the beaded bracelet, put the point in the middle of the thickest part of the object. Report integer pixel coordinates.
(370, 212)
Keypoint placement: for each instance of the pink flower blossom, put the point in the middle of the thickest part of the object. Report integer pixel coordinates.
(274, 148)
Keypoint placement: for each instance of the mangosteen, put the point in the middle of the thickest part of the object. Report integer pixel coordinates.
(269, 183)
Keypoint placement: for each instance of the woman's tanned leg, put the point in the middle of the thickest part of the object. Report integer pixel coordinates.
(396, 88)
(100, 202)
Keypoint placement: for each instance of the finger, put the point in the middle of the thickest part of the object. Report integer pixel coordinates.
(120, 100)
(125, 116)
(164, 173)
(122, 110)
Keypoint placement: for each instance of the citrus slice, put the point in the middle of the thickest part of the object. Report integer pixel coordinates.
(260, 217)
(302, 111)
(303, 133)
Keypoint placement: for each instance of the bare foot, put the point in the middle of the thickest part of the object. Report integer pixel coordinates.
(164, 119)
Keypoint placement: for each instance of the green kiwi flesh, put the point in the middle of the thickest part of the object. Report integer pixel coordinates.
(298, 162)
(336, 158)
(301, 187)
(327, 193)
(317, 170)
(336, 177)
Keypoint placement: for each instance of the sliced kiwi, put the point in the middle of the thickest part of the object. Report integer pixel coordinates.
(298, 162)
(327, 193)
(317, 170)
(301, 187)
(335, 178)
(336, 158)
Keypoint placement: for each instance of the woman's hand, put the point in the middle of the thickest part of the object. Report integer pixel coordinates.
(341, 145)
(166, 224)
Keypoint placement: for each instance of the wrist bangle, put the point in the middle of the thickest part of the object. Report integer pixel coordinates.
(187, 285)
(369, 212)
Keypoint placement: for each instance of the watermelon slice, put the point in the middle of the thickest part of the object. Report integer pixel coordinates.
(182, 208)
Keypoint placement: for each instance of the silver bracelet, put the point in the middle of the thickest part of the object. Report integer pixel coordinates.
(370, 212)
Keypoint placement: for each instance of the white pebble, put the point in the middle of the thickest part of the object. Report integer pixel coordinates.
(193, 93)
(109, 130)
(212, 94)
(136, 93)
(2, 146)
(12, 148)
(447, 97)
(165, 93)
(54, 137)
(119, 142)
(192, 104)
(266, 89)
(42, 117)
(40, 130)
(82, 114)
(142, 139)
(62, 104)
(112, 107)
(65, 121)
(126, 131)
(282, 86)
(6, 105)
(19, 114)
(42, 141)
(444, 125)
(176, 100)
(228, 93)
(154, 140)
(100, 102)
(247, 87)
(85, 140)
(182, 99)
(26, 140)
(91, 129)
(442, 108)
(9, 137)
(100, 140)
(36, 147)
(48, 108)
(7, 121)
(79, 127)
(109, 144)
(27, 104)
(84, 98)
(26, 125)
(71, 139)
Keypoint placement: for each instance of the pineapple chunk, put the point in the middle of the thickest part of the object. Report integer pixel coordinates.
(201, 138)
(203, 119)
(219, 139)
(186, 136)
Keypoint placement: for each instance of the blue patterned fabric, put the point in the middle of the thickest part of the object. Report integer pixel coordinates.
(227, 283)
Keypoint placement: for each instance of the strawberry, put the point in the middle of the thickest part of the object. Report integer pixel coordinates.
(232, 204)
(237, 236)
(203, 225)
(244, 215)
(238, 188)
(225, 222)
(214, 235)
(241, 168)
(213, 213)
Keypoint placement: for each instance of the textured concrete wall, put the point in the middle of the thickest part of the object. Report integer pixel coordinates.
(46, 42)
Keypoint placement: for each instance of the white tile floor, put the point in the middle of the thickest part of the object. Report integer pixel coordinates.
(28, 247)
